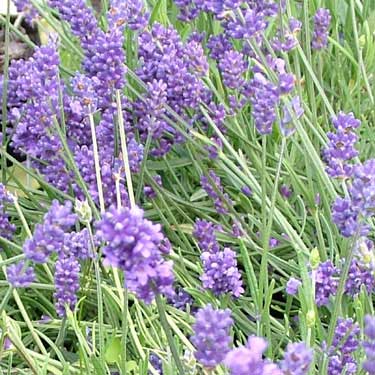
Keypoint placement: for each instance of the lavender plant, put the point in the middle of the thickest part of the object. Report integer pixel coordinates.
(187, 188)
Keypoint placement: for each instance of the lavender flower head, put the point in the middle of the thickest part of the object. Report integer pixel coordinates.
(341, 146)
(359, 275)
(232, 67)
(20, 275)
(264, 98)
(204, 232)
(48, 237)
(220, 272)
(211, 335)
(326, 282)
(344, 344)
(292, 286)
(297, 359)
(322, 20)
(66, 283)
(135, 245)
(249, 359)
(369, 345)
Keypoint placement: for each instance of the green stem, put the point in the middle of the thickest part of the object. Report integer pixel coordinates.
(97, 164)
(5, 91)
(124, 149)
(168, 332)
(98, 290)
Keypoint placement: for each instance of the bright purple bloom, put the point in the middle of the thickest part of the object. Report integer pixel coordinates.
(286, 83)
(252, 25)
(48, 237)
(85, 96)
(287, 40)
(341, 146)
(20, 276)
(345, 343)
(249, 359)
(220, 272)
(27, 9)
(264, 98)
(156, 362)
(218, 45)
(363, 188)
(285, 191)
(292, 286)
(204, 233)
(359, 275)
(297, 359)
(326, 282)
(232, 66)
(66, 283)
(135, 245)
(149, 191)
(180, 299)
(346, 218)
(369, 345)
(127, 13)
(78, 244)
(322, 20)
(247, 191)
(211, 335)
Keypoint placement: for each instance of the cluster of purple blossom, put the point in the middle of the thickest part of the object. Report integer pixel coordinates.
(369, 345)
(327, 280)
(246, 21)
(212, 341)
(345, 343)
(137, 247)
(220, 271)
(54, 235)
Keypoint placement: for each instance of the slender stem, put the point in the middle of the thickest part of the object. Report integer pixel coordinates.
(168, 332)
(124, 149)
(5, 91)
(263, 282)
(98, 290)
(359, 52)
(124, 295)
(97, 163)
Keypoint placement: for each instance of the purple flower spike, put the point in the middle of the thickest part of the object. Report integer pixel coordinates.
(221, 274)
(322, 20)
(297, 359)
(264, 98)
(249, 359)
(344, 344)
(326, 282)
(211, 335)
(232, 67)
(204, 232)
(66, 283)
(20, 276)
(369, 345)
(136, 245)
(292, 286)
(48, 237)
